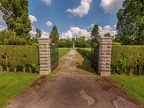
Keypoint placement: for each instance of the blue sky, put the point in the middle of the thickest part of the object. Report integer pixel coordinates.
(73, 18)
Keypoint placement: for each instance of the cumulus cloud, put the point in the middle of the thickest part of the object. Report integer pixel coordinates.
(82, 9)
(75, 32)
(47, 2)
(49, 24)
(111, 6)
(32, 18)
(107, 29)
(45, 34)
(33, 32)
(2, 28)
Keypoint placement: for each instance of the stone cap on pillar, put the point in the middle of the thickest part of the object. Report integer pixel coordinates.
(105, 39)
(44, 40)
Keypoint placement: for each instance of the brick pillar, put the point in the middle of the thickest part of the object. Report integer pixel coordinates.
(104, 60)
(44, 56)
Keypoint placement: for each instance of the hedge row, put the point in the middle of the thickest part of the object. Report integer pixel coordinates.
(125, 59)
(18, 56)
(128, 59)
(85, 52)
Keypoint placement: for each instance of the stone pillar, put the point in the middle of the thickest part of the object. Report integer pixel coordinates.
(104, 60)
(44, 56)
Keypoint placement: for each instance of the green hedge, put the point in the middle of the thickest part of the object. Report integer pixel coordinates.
(18, 55)
(124, 57)
(85, 52)
(128, 59)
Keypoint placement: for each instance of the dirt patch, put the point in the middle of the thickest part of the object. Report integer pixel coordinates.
(40, 81)
(73, 87)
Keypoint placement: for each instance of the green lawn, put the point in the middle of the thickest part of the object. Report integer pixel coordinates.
(134, 85)
(63, 51)
(11, 85)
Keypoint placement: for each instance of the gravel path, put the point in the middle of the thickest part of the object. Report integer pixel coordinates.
(74, 87)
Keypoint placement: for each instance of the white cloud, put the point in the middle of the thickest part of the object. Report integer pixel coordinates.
(111, 6)
(32, 18)
(106, 29)
(33, 32)
(45, 34)
(2, 28)
(48, 2)
(75, 32)
(82, 9)
(49, 23)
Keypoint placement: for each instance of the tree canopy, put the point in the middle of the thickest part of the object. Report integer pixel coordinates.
(54, 35)
(95, 35)
(130, 24)
(16, 17)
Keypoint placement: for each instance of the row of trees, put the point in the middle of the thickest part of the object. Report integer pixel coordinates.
(77, 42)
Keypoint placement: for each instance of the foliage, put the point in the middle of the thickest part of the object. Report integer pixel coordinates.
(7, 38)
(21, 55)
(107, 35)
(63, 51)
(54, 35)
(16, 17)
(79, 42)
(85, 52)
(127, 56)
(95, 35)
(13, 84)
(130, 24)
(121, 63)
(116, 44)
(38, 33)
(132, 84)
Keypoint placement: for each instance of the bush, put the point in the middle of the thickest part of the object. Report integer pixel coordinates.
(15, 56)
(85, 52)
(128, 57)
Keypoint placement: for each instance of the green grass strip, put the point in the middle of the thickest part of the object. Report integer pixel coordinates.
(134, 85)
(11, 85)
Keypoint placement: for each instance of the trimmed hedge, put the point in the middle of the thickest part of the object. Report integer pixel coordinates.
(128, 57)
(12, 56)
(125, 59)
(85, 52)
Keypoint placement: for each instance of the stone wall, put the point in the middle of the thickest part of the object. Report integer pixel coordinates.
(104, 58)
(44, 56)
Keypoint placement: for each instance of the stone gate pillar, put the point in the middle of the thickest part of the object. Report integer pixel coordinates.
(104, 60)
(44, 56)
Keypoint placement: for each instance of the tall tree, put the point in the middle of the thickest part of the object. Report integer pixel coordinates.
(54, 35)
(130, 24)
(16, 17)
(38, 33)
(107, 35)
(95, 35)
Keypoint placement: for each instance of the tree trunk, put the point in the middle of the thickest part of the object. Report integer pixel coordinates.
(1, 68)
(130, 71)
(15, 69)
(24, 69)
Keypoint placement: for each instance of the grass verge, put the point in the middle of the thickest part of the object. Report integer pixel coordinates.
(11, 85)
(134, 85)
(63, 51)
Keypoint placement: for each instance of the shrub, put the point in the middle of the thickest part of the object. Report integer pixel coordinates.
(12, 56)
(87, 53)
(133, 56)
